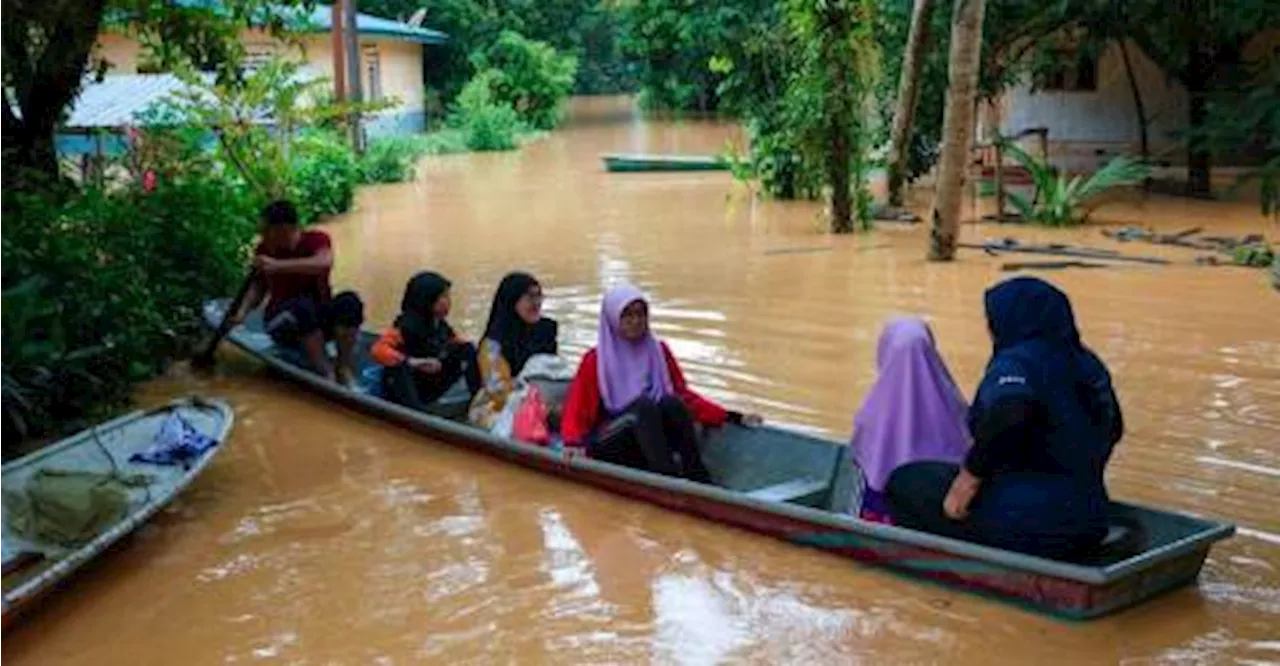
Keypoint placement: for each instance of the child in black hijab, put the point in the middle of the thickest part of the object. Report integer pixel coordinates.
(423, 356)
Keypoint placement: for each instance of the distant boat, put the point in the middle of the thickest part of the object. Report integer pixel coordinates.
(796, 487)
(33, 568)
(643, 162)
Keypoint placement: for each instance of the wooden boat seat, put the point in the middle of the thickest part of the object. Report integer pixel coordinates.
(805, 490)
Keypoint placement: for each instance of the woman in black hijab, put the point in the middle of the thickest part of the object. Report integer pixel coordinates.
(422, 354)
(516, 331)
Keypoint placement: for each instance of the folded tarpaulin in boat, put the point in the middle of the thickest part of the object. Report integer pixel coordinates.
(66, 508)
(177, 443)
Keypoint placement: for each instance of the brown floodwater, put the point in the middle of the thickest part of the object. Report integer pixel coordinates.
(323, 536)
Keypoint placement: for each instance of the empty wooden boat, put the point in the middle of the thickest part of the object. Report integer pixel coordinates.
(641, 162)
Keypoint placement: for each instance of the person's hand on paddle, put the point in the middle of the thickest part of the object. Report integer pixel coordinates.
(428, 365)
(265, 264)
(963, 489)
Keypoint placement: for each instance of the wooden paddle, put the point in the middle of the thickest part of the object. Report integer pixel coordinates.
(206, 360)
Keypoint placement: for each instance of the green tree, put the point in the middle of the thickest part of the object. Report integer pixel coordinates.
(586, 29)
(530, 76)
(46, 57)
(839, 67)
(1201, 45)
(672, 44)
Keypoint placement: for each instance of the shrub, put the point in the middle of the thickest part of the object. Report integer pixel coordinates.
(322, 175)
(488, 124)
(530, 76)
(1061, 200)
(391, 160)
(104, 288)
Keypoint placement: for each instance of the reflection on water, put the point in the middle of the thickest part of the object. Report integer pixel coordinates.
(324, 536)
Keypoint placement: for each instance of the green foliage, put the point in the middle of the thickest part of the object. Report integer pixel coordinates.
(588, 30)
(1246, 118)
(1061, 200)
(49, 53)
(322, 175)
(37, 361)
(103, 288)
(673, 43)
(529, 76)
(487, 123)
(1254, 255)
(260, 122)
(390, 160)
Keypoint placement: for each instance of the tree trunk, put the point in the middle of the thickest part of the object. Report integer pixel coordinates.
(42, 83)
(1199, 162)
(957, 126)
(1139, 109)
(908, 96)
(997, 144)
(838, 158)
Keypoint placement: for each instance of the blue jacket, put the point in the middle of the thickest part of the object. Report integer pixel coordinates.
(1045, 420)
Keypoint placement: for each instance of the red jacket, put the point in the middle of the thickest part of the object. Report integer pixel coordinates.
(582, 406)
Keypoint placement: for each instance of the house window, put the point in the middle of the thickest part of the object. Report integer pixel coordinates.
(1074, 72)
(373, 73)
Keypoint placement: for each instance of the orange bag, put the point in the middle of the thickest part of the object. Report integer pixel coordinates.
(530, 421)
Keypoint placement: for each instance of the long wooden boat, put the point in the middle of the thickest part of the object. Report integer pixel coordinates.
(643, 162)
(33, 569)
(798, 488)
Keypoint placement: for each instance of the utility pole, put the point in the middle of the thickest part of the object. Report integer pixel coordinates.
(351, 37)
(339, 60)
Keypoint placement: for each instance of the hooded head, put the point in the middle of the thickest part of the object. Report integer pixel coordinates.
(1028, 308)
(914, 410)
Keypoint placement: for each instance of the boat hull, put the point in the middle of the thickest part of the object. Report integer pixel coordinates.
(1062, 589)
(121, 437)
(646, 163)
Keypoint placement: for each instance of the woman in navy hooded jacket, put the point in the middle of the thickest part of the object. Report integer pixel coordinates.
(1044, 422)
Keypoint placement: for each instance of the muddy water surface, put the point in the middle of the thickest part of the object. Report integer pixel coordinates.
(321, 536)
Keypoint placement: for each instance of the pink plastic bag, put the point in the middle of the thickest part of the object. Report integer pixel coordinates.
(530, 422)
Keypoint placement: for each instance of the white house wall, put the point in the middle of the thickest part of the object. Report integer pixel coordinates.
(1082, 123)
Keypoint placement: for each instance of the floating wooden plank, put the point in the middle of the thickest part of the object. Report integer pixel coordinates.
(1062, 251)
(1049, 265)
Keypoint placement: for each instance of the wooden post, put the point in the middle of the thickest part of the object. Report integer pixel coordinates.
(351, 38)
(997, 140)
(339, 60)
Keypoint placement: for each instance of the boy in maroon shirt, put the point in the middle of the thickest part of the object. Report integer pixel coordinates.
(293, 277)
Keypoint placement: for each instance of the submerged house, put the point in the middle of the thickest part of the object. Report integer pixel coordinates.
(1087, 109)
(392, 61)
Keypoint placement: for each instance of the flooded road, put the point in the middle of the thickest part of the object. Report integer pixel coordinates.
(322, 536)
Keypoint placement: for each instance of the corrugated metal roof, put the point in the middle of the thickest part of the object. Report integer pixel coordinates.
(320, 20)
(114, 101)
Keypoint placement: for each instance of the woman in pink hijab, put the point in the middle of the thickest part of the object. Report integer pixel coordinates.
(914, 412)
(629, 403)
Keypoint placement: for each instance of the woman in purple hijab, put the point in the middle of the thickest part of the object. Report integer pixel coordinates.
(915, 412)
(629, 403)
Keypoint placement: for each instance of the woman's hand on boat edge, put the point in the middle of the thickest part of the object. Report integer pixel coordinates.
(963, 489)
